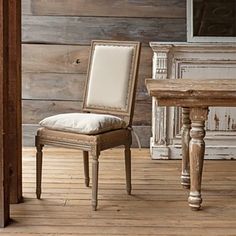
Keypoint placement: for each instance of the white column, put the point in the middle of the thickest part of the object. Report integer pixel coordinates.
(159, 141)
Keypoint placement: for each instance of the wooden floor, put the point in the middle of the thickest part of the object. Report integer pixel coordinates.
(158, 205)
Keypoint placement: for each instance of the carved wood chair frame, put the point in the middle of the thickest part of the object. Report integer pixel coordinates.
(94, 144)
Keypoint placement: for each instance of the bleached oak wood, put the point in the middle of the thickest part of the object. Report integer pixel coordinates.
(217, 92)
(26, 7)
(197, 96)
(53, 86)
(68, 86)
(157, 205)
(198, 116)
(64, 30)
(143, 132)
(36, 110)
(106, 8)
(69, 59)
(95, 143)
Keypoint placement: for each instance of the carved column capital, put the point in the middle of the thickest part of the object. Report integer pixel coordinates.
(160, 65)
(160, 61)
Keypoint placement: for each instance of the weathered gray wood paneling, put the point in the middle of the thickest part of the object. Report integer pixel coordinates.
(68, 87)
(69, 59)
(36, 110)
(53, 86)
(52, 72)
(142, 113)
(55, 58)
(26, 7)
(121, 8)
(56, 39)
(81, 30)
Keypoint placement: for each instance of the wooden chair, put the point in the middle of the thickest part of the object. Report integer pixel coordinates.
(108, 105)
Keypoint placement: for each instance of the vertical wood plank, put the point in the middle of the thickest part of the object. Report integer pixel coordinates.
(4, 175)
(14, 101)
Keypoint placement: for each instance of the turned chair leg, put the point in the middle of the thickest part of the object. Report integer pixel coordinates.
(128, 169)
(86, 168)
(39, 159)
(95, 167)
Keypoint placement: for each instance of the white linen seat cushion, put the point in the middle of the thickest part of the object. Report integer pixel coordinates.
(83, 123)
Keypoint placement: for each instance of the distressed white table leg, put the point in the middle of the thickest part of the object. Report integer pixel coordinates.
(186, 126)
(198, 117)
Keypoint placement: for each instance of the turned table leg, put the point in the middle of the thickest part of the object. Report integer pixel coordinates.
(186, 125)
(198, 116)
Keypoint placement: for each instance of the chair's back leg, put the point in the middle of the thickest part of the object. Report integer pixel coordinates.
(86, 168)
(128, 168)
(39, 157)
(95, 167)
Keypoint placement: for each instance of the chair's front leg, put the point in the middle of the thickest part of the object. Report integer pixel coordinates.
(128, 168)
(39, 160)
(95, 168)
(186, 126)
(86, 168)
(198, 117)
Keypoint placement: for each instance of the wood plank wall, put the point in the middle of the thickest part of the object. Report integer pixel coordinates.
(56, 37)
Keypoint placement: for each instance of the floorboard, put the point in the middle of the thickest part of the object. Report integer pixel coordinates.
(157, 206)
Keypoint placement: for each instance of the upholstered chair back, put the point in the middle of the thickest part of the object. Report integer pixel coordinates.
(111, 78)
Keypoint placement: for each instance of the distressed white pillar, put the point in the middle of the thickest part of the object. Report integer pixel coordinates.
(159, 140)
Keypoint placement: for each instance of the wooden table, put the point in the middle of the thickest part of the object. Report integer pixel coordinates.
(195, 97)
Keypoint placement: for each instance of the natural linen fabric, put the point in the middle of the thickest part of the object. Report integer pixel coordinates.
(83, 123)
(109, 76)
